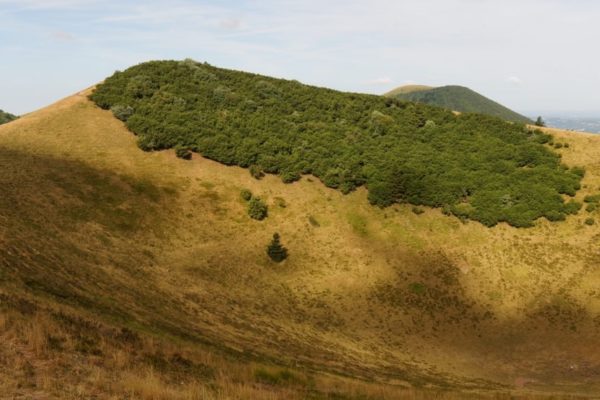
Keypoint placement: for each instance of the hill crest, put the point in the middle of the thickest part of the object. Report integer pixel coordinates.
(461, 99)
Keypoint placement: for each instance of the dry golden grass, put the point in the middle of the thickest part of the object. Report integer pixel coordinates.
(407, 89)
(94, 227)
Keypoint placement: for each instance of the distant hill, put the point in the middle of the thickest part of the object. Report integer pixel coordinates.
(6, 117)
(456, 98)
(408, 89)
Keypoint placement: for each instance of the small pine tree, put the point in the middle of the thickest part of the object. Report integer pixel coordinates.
(275, 250)
(539, 122)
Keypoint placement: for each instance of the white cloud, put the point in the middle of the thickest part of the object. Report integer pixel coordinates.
(380, 81)
(515, 80)
(230, 23)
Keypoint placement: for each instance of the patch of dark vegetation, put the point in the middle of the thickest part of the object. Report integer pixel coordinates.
(178, 367)
(434, 292)
(275, 250)
(477, 167)
(6, 117)
(279, 377)
(183, 152)
(257, 208)
(313, 221)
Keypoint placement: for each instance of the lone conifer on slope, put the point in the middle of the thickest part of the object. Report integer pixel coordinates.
(275, 250)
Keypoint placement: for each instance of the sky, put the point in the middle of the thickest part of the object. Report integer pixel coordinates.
(536, 57)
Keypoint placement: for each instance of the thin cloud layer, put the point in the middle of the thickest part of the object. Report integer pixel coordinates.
(492, 47)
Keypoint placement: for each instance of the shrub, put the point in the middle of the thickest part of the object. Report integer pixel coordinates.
(122, 112)
(246, 195)
(275, 250)
(257, 209)
(417, 210)
(256, 172)
(592, 198)
(579, 171)
(183, 152)
(590, 221)
(290, 176)
(591, 207)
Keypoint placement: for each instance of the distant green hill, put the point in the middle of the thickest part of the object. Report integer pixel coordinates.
(456, 98)
(6, 117)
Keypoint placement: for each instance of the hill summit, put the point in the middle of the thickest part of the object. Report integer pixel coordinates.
(402, 152)
(456, 98)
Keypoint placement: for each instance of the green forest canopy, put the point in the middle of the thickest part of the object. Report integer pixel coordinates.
(475, 166)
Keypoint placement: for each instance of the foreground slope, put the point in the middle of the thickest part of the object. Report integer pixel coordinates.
(123, 271)
(459, 98)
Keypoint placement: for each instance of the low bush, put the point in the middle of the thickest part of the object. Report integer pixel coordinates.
(246, 194)
(183, 152)
(257, 209)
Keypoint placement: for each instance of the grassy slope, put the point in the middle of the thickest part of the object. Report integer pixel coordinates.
(94, 227)
(407, 89)
(462, 99)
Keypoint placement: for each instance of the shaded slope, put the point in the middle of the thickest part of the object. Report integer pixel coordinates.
(402, 152)
(459, 98)
(91, 225)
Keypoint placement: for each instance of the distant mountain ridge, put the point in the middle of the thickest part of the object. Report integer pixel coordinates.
(6, 117)
(456, 98)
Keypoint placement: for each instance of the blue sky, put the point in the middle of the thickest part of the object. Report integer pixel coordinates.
(534, 56)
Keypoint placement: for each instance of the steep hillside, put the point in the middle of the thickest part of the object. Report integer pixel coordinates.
(131, 274)
(459, 98)
(6, 117)
(403, 152)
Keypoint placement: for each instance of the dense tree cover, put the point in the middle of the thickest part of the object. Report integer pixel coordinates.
(459, 98)
(6, 117)
(475, 166)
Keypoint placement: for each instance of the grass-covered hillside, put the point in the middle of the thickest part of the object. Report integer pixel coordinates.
(458, 98)
(6, 117)
(474, 166)
(127, 274)
(407, 89)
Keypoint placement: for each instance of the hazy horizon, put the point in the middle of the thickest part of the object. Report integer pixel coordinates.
(531, 56)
